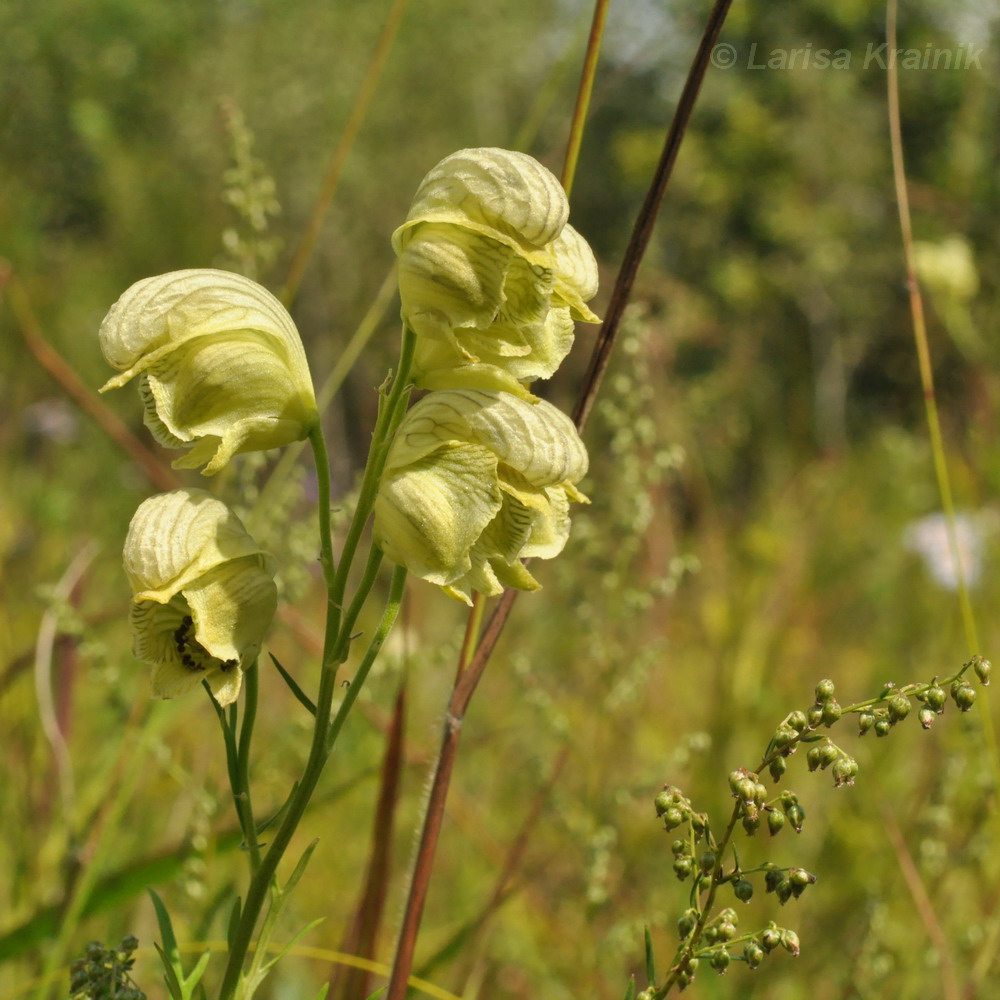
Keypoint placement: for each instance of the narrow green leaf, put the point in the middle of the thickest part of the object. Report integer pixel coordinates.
(166, 927)
(290, 944)
(191, 982)
(630, 992)
(300, 868)
(650, 963)
(300, 695)
(323, 990)
(169, 975)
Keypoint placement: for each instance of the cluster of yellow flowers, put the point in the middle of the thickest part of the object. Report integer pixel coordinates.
(480, 473)
(491, 277)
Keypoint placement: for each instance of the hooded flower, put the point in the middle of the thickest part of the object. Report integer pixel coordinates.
(202, 593)
(491, 277)
(221, 367)
(477, 480)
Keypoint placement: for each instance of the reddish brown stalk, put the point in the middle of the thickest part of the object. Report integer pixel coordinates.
(31, 332)
(469, 678)
(362, 936)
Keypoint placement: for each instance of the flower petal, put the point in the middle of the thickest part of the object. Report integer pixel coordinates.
(500, 193)
(176, 537)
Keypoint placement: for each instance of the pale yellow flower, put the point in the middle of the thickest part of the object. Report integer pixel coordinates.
(202, 593)
(491, 276)
(477, 480)
(220, 363)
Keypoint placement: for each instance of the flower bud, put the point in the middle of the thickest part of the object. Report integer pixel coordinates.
(828, 754)
(770, 937)
(865, 721)
(203, 594)
(824, 691)
(706, 862)
(753, 954)
(927, 715)
(663, 801)
(475, 481)
(751, 823)
(982, 668)
(775, 821)
(814, 757)
(790, 942)
(845, 770)
(882, 725)
(964, 695)
(773, 877)
(720, 961)
(678, 848)
(687, 923)
(777, 768)
(831, 712)
(898, 707)
(814, 716)
(491, 277)
(743, 890)
(672, 818)
(682, 868)
(935, 697)
(221, 367)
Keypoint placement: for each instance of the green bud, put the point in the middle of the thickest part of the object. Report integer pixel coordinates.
(711, 934)
(735, 779)
(753, 954)
(824, 691)
(898, 707)
(790, 942)
(828, 755)
(831, 712)
(751, 823)
(982, 668)
(687, 923)
(663, 802)
(770, 937)
(682, 868)
(814, 757)
(777, 768)
(678, 848)
(129, 944)
(720, 961)
(796, 816)
(699, 823)
(882, 726)
(926, 715)
(797, 720)
(747, 789)
(672, 818)
(707, 862)
(964, 695)
(773, 877)
(759, 793)
(775, 821)
(784, 736)
(800, 878)
(845, 770)
(865, 721)
(784, 891)
(727, 930)
(743, 890)
(935, 697)
(815, 716)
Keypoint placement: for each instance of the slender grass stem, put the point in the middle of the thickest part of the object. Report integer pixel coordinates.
(251, 687)
(927, 375)
(584, 90)
(369, 85)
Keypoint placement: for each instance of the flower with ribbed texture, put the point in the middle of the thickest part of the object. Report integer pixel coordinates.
(475, 481)
(491, 276)
(203, 593)
(220, 364)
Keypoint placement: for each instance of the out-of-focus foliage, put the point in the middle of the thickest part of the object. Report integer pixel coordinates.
(757, 456)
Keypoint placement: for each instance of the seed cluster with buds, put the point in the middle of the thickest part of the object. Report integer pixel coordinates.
(104, 973)
(700, 856)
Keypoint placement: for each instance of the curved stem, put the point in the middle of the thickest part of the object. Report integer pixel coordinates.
(251, 688)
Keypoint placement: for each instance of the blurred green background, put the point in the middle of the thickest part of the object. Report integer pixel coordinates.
(760, 472)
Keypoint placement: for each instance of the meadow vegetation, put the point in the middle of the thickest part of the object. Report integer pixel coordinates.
(760, 472)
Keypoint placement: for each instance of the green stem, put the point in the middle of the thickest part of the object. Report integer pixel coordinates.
(250, 687)
(322, 461)
(390, 413)
(385, 625)
(360, 596)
